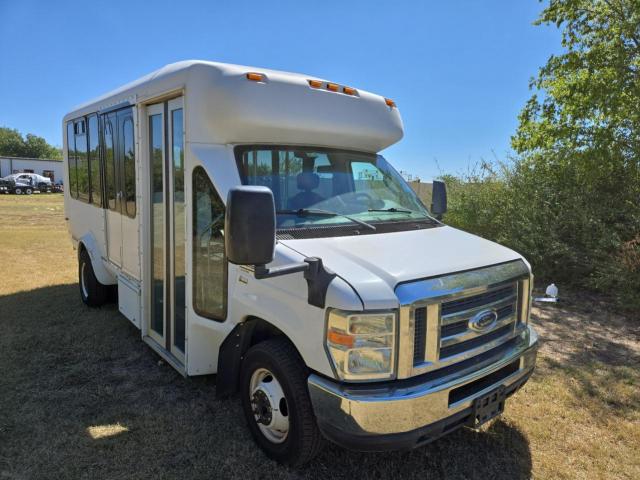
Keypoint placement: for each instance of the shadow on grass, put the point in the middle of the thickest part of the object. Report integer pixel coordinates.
(83, 397)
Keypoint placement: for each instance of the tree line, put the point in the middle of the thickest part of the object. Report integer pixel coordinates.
(14, 144)
(569, 198)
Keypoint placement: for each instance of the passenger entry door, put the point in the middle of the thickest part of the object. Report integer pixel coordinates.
(113, 216)
(167, 227)
(118, 133)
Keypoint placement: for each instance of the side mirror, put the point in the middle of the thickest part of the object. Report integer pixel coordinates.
(439, 199)
(250, 225)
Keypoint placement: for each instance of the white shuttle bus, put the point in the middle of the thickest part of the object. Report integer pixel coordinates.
(253, 231)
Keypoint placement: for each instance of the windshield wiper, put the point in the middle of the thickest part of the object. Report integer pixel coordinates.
(327, 213)
(392, 210)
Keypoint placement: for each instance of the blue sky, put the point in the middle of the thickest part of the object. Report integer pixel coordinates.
(458, 70)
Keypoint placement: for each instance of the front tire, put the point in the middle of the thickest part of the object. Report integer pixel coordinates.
(18, 191)
(92, 292)
(276, 403)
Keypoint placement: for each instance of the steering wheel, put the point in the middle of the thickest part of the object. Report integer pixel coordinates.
(366, 196)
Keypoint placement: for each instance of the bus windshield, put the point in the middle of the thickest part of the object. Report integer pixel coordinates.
(314, 186)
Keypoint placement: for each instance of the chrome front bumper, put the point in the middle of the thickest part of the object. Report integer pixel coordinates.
(407, 413)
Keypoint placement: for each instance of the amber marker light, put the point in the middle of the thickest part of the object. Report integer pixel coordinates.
(349, 90)
(255, 77)
(333, 87)
(315, 83)
(390, 102)
(338, 338)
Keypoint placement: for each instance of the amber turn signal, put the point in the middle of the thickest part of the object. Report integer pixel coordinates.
(256, 77)
(339, 338)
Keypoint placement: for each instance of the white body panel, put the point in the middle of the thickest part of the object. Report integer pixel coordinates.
(222, 109)
(375, 264)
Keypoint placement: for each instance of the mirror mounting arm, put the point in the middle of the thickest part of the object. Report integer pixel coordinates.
(261, 271)
(317, 276)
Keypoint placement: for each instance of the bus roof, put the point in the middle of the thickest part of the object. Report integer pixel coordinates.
(224, 106)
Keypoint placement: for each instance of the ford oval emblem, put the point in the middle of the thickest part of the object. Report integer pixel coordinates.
(483, 320)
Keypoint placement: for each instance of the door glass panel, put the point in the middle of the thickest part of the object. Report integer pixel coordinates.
(110, 160)
(82, 161)
(178, 226)
(71, 157)
(209, 261)
(129, 166)
(157, 224)
(94, 161)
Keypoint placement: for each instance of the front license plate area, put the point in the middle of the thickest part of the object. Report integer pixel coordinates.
(488, 406)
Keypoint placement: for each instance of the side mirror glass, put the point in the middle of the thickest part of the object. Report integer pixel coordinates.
(439, 199)
(250, 225)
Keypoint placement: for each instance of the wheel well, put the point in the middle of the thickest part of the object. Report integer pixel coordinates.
(243, 336)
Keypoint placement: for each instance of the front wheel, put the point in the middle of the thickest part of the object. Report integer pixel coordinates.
(276, 402)
(18, 191)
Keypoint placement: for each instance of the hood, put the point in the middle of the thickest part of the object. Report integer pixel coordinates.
(374, 264)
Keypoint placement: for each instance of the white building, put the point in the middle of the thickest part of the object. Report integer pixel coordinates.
(52, 169)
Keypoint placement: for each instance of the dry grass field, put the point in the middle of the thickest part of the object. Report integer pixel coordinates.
(82, 397)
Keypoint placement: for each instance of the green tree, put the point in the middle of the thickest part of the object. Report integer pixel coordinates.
(570, 199)
(13, 144)
(578, 141)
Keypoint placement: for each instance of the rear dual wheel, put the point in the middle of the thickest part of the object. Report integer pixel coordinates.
(92, 292)
(276, 402)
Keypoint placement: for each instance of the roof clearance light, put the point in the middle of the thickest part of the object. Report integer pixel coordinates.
(315, 83)
(255, 77)
(349, 90)
(390, 102)
(333, 87)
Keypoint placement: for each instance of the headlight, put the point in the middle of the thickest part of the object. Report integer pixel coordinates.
(362, 346)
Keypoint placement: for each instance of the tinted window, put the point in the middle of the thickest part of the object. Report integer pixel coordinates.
(129, 164)
(71, 158)
(209, 260)
(94, 161)
(82, 161)
(179, 268)
(109, 159)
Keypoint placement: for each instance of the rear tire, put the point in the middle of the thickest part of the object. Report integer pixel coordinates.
(18, 191)
(92, 292)
(285, 428)
(28, 191)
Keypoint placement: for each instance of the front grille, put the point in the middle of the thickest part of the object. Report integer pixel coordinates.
(479, 300)
(420, 337)
(458, 335)
(475, 342)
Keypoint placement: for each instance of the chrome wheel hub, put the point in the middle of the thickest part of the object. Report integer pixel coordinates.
(269, 405)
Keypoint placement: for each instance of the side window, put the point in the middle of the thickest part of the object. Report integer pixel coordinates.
(209, 260)
(129, 166)
(82, 162)
(71, 159)
(94, 162)
(109, 159)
